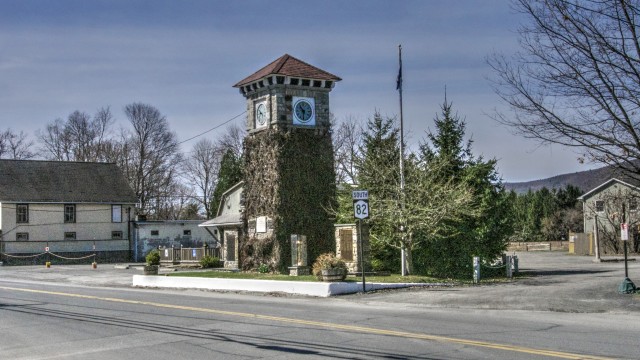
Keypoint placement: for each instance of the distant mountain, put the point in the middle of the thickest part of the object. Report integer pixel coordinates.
(584, 180)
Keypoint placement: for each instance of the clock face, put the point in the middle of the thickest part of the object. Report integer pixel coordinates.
(261, 115)
(304, 111)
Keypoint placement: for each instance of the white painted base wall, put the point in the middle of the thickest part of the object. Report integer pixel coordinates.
(319, 289)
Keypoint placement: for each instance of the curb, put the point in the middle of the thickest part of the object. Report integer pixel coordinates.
(266, 286)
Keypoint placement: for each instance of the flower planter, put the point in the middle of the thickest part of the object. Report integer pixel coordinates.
(335, 274)
(151, 269)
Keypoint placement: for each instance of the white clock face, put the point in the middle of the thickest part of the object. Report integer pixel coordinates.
(304, 111)
(261, 115)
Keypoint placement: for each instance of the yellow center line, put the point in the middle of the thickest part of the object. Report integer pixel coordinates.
(354, 328)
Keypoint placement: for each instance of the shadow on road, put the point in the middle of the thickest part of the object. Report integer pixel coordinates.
(560, 272)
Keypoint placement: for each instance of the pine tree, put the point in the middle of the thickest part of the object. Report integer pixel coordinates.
(229, 175)
(404, 218)
(378, 172)
(482, 232)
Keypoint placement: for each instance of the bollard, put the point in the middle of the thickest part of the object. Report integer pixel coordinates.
(94, 265)
(476, 270)
(47, 264)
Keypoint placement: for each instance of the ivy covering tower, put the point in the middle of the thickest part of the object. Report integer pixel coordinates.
(289, 177)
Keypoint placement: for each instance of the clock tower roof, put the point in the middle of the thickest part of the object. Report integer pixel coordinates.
(287, 65)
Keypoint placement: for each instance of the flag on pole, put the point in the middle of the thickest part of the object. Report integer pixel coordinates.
(399, 80)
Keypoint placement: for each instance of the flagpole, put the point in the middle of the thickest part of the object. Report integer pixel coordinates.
(403, 254)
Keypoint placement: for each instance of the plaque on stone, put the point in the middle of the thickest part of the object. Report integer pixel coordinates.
(261, 224)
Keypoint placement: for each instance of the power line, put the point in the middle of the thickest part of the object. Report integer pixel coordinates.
(213, 128)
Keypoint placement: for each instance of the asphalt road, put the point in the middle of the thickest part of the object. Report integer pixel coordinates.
(565, 307)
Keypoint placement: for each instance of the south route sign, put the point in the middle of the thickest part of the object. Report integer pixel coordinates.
(360, 204)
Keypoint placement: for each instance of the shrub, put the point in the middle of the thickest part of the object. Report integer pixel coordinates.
(153, 257)
(209, 261)
(327, 261)
(263, 268)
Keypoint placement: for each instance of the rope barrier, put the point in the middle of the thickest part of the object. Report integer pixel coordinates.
(22, 256)
(68, 258)
(46, 252)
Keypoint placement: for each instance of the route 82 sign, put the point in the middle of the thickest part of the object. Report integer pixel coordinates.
(360, 204)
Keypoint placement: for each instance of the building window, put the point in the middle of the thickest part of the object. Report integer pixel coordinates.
(633, 204)
(116, 213)
(69, 213)
(186, 232)
(116, 235)
(70, 235)
(22, 213)
(155, 232)
(599, 206)
(22, 236)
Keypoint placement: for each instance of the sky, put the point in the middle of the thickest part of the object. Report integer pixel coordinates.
(183, 57)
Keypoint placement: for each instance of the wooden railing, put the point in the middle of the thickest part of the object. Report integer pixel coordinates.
(186, 256)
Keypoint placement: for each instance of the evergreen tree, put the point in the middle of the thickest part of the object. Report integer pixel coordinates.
(378, 172)
(229, 175)
(404, 218)
(482, 232)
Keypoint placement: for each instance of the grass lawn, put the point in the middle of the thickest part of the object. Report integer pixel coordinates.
(393, 278)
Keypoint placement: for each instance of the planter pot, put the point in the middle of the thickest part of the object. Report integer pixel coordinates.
(335, 274)
(151, 269)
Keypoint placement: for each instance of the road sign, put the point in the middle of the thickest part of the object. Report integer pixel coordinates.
(360, 194)
(361, 209)
(46, 249)
(624, 232)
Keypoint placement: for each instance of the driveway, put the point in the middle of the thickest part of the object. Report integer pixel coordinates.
(549, 281)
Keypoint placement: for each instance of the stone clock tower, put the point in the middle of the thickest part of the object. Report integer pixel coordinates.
(289, 179)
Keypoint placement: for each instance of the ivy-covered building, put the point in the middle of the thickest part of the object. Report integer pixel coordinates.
(289, 178)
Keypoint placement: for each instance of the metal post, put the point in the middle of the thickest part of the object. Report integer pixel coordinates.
(403, 254)
(596, 238)
(364, 289)
(626, 268)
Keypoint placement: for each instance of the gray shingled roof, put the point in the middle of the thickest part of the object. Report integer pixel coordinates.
(62, 181)
(222, 220)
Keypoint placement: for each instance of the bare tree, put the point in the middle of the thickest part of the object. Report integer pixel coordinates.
(56, 144)
(151, 155)
(175, 201)
(15, 145)
(347, 141)
(233, 139)
(80, 138)
(201, 170)
(576, 80)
